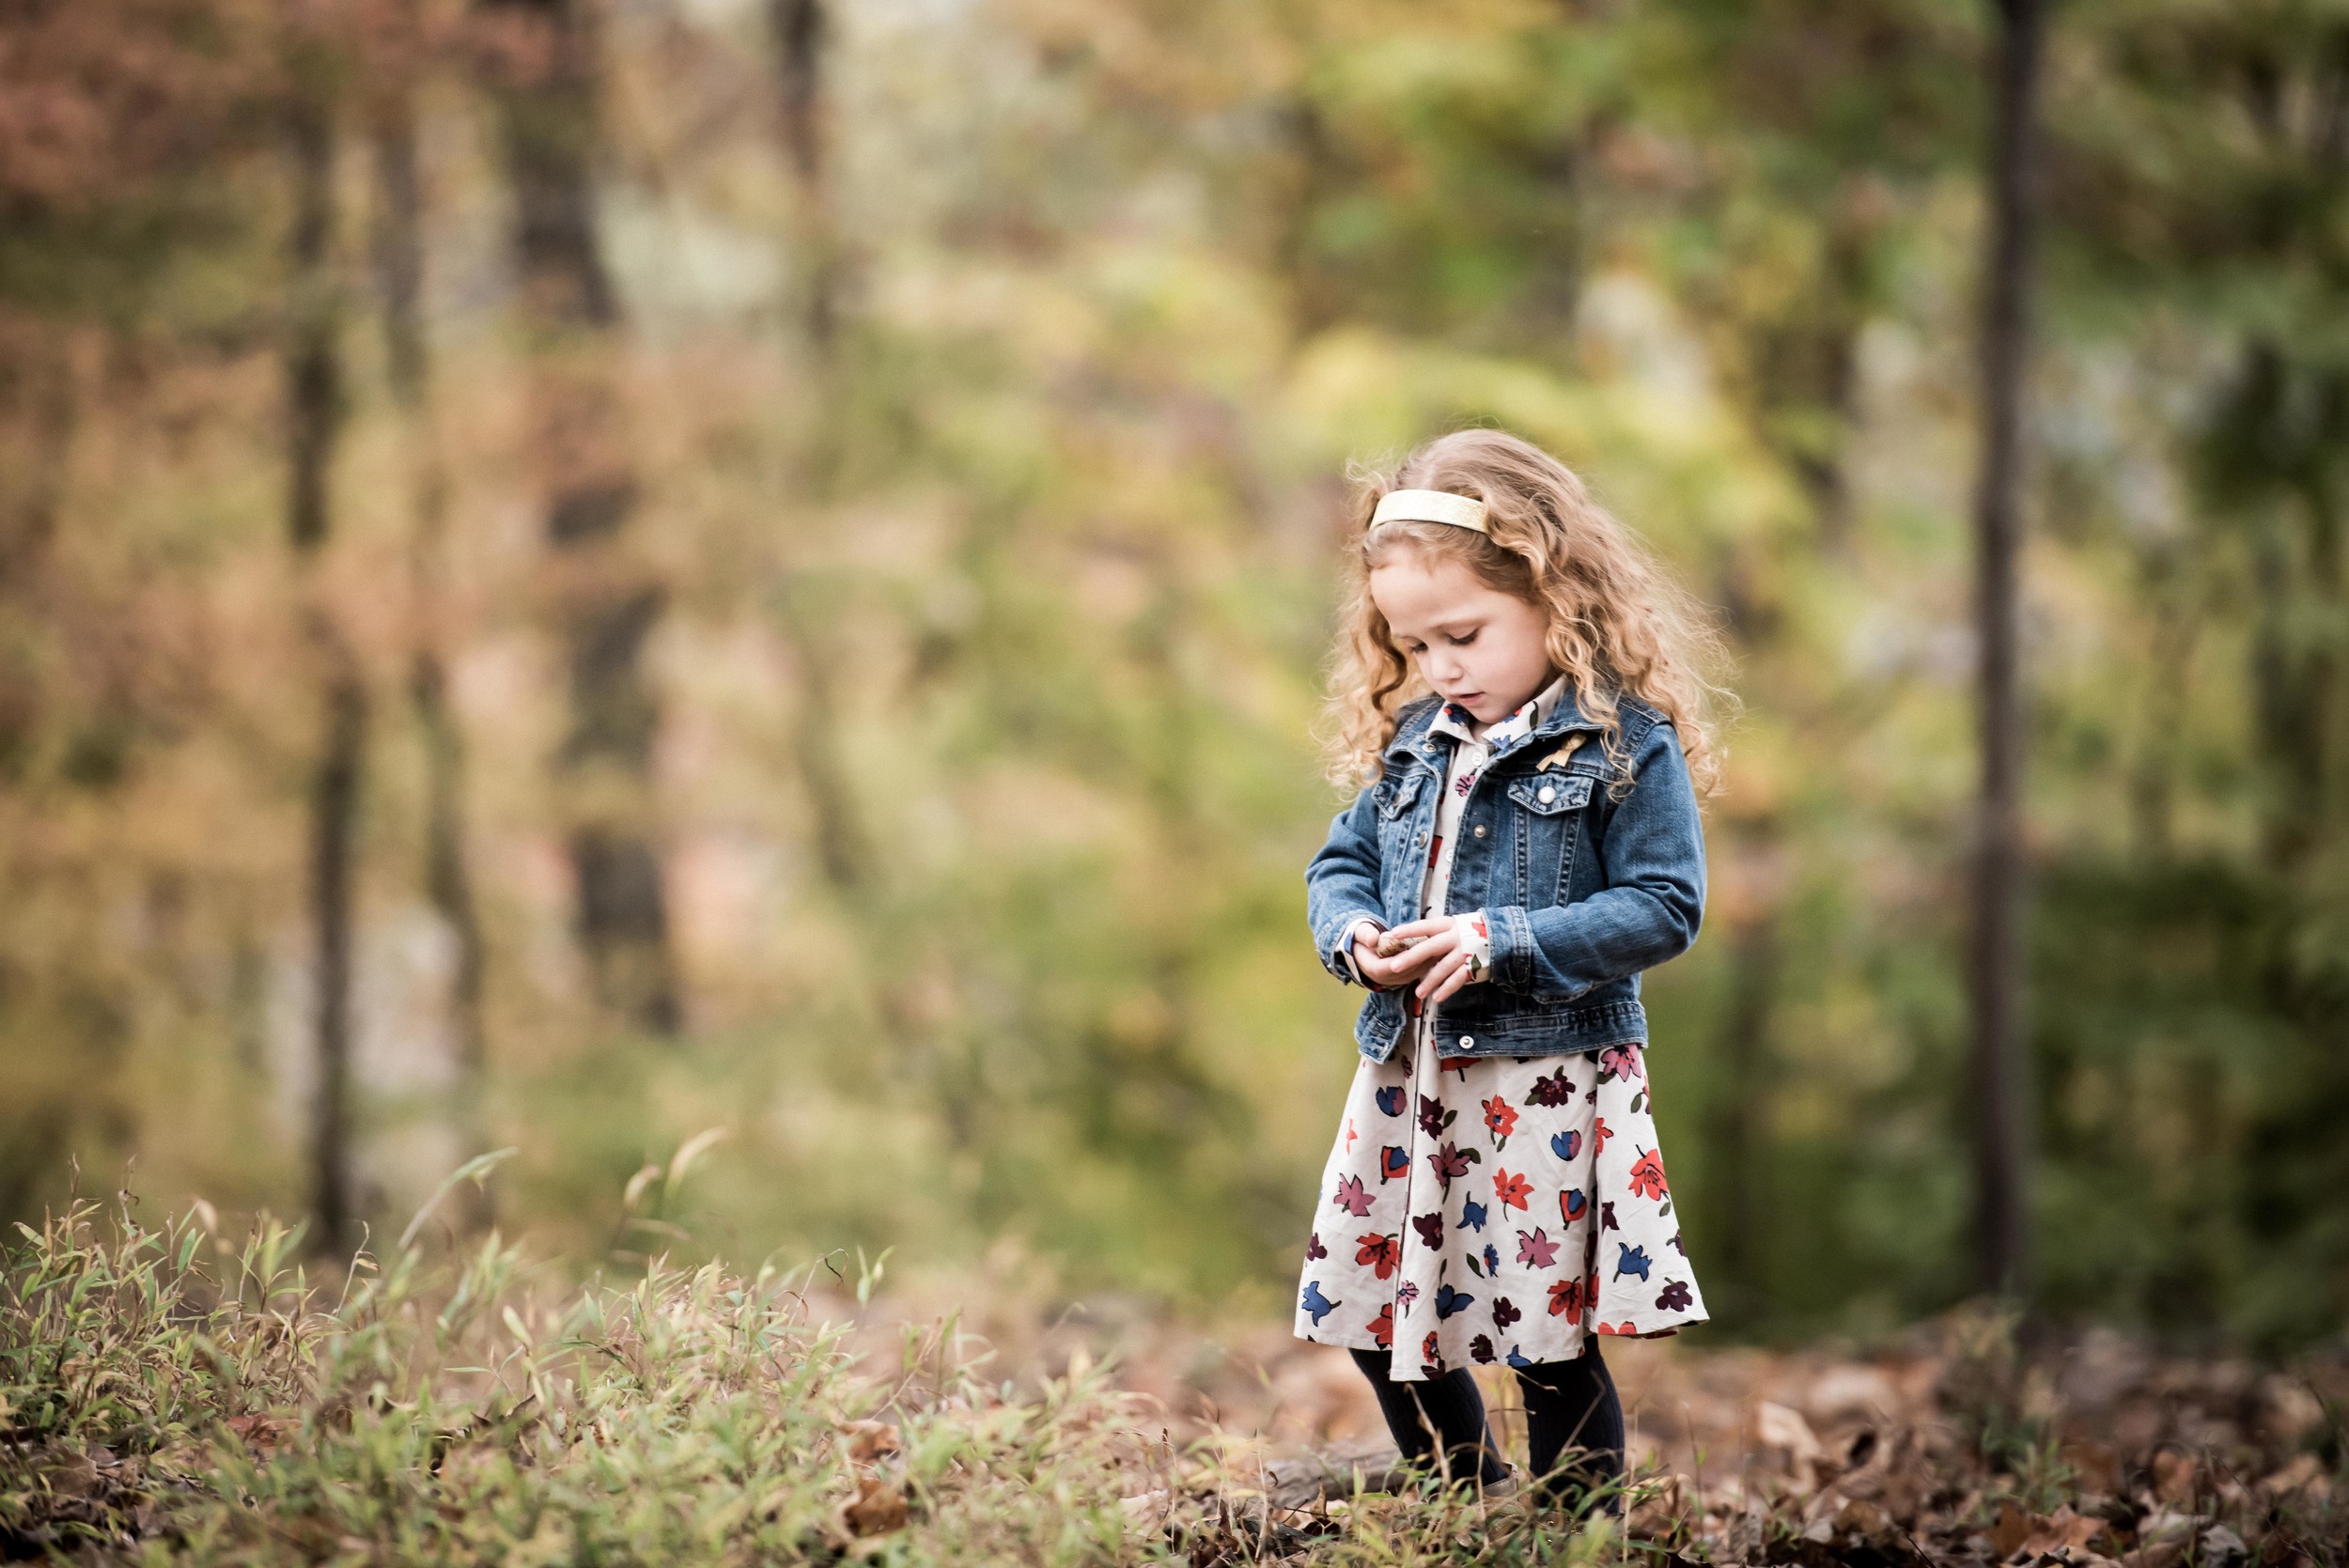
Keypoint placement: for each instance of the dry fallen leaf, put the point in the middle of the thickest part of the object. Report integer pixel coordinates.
(2176, 1476)
(2064, 1531)
(70, 1475)
(871, 1441)
(261, 1435)
(1782, 1428)
(877, 1509)
(2012, 1529)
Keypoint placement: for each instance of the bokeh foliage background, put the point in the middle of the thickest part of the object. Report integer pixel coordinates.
(982, 376)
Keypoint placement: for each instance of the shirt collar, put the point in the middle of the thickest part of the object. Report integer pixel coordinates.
(1501, 733)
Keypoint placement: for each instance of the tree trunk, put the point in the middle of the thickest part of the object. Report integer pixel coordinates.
(801, 30)
(313, 417)
(447, 879)
(609, 602)
(2001, 1099)
(333, 854)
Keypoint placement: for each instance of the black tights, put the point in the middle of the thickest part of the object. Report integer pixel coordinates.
(1569, 1406)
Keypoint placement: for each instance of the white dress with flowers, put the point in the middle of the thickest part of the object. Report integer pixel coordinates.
(1492, 1209)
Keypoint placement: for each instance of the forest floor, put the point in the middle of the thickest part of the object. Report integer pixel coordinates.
(168, 1395)
(1949, 1443)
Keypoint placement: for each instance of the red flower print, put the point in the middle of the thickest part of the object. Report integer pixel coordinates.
(1429, 1354)
(1350, 1135)
(1566, 1299)
(1392, 1162)
(1674, 1297)
(1351, 1198)
(1382, 1327)
(1504, 1312)
(1512, 1191)
(1382, 1252)
(1500, 1117)
(1600, 1133)
(1625, 1329)
(1647, 1177)
(1536, 1248)
(1476, 924)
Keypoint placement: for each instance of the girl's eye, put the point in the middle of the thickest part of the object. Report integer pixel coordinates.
(1464, 642)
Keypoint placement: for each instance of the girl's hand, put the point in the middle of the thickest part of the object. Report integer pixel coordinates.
(1447, 975)
(1430, 941)
(1384, 974)
(1447, 953)
(1387, 958)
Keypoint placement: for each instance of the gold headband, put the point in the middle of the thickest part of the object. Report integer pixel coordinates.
(1460, 511)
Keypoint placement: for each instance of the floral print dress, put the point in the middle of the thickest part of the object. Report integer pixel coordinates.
(1492, 1209)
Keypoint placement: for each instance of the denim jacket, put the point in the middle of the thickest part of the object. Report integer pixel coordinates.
(1582, 884)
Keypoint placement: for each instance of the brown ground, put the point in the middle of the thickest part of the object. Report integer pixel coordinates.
(1946, 1443)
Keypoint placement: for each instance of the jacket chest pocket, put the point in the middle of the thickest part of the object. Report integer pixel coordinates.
(1399, 858)
(1549, 815)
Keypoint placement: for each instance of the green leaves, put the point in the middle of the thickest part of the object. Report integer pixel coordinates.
(451, 1416)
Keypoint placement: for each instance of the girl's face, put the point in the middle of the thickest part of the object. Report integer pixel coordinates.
(1481, 649)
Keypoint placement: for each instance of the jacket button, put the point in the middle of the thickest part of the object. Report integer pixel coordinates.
(1547, 795)
(1480, 830)
(1467, 1040)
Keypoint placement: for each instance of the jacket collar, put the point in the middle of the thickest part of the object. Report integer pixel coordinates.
(1416, 731)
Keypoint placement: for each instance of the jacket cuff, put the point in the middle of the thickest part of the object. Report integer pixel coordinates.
(1337, 951)
(1511, 953)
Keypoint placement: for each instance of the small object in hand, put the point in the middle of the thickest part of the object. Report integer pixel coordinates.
(1389, 943)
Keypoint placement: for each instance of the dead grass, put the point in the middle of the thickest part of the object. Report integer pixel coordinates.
(167, 1397)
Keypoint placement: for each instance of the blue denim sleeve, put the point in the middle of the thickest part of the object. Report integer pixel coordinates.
(1650, 904)
(1342, 884)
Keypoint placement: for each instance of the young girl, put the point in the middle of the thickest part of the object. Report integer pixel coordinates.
(1528, 844)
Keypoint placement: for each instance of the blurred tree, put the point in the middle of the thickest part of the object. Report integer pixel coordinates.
(397, 49)
(800, 38)
(1996, 973)
(2200, 181)
(314, 412)
(545, 76)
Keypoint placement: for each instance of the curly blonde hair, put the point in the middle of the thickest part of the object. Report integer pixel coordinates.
(1618, 625)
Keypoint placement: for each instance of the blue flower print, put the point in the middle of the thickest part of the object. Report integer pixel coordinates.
(1449, 1301)
(1492, 1258)
(1634, 1260)
(1516, 1359)
(1392, 1162)
(1566, 1144)
(1391, 1099)
(1320, 1305)
(1472, 1216)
